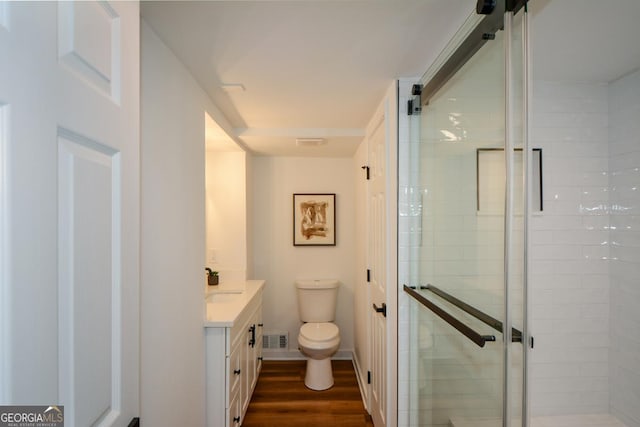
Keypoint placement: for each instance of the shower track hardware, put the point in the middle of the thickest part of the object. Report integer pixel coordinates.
(382, 309)
(485, 7)
(414, 106)
(474, 336)
(490, 24)
(366, 168)
(516, 335)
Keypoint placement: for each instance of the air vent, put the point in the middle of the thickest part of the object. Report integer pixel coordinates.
(275, 341)
(232, 87)
(310, 142)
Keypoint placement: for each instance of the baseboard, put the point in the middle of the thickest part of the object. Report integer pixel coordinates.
(362, 383)
(297, 355)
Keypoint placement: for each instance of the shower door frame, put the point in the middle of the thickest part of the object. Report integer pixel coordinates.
(476, 31)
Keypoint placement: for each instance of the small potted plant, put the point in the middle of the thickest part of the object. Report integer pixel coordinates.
(212, 277)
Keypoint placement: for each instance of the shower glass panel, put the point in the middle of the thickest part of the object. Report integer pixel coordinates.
(467, 181)
(462, 248)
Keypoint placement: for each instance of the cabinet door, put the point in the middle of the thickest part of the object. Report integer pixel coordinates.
(235, 373)
(247, 352)
(257, 350)
(234, 415)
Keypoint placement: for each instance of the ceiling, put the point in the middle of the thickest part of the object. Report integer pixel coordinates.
(281, 70)
(311, 69)
(585, 40)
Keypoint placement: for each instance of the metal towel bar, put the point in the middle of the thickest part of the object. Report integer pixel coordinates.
(474, 336)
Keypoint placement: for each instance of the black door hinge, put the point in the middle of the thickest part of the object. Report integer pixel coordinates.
(368, 275)
(414, 105)
(531, 341)
(366, 168)
(368, 377)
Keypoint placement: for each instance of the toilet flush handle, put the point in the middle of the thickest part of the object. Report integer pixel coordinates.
(382, 309)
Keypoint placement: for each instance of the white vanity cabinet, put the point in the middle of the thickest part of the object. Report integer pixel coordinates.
(234, 360)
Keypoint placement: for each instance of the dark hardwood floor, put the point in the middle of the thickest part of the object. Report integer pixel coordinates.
(282, 400)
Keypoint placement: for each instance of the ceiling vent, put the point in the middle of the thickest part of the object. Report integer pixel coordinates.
(232, 87)
(310, 142)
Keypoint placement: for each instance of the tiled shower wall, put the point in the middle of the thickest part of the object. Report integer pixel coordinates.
(624, 182)
(586, 250)
(569, 284)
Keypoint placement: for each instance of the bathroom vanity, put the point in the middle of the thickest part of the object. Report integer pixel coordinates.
(233, 333)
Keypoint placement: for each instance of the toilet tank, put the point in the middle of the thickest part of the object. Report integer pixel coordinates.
(317, 299)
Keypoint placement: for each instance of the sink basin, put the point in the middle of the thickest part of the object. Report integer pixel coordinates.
(224, 296)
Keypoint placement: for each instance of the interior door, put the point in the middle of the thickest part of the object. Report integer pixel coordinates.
(381, 143)
(69, 94)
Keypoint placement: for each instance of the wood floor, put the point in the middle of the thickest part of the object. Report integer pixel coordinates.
(282, 400)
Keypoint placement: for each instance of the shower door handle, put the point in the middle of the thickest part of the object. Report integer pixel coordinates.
(382, 309)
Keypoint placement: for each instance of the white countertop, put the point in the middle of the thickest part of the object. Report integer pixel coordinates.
(226, 301)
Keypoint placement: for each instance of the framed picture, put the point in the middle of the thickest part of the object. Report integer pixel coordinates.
(314, 219)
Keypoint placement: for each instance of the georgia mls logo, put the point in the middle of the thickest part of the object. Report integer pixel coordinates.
(31, 416)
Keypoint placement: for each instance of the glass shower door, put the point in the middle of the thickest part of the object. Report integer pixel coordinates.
(467, 259)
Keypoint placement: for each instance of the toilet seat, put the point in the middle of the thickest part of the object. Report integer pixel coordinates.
(319, 332)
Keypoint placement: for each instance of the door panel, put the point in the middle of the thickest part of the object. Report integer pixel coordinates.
(377, 195)
(72, 199)
(89, 295)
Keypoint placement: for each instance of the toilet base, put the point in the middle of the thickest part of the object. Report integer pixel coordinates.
(319, 374)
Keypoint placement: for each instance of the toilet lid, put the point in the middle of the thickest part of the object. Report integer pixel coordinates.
(319, 331)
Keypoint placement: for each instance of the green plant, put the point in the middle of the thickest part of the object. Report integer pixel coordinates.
(211, 272)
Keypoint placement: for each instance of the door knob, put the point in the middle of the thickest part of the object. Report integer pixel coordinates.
(382, 309)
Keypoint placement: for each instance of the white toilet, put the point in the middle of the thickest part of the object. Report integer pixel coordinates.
(319, 337)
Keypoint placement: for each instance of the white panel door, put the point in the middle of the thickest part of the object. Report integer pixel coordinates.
(382, 142)
(69, 137)
(378, 268)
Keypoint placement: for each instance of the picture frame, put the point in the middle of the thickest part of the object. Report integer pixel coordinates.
(314, 219)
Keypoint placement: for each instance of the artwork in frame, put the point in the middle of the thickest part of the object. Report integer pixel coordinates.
(314, 219)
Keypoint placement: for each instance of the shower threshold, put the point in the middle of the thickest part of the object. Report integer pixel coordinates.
(589, 420)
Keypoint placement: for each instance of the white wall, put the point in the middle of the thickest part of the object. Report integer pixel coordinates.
(569, 281)
(585, 250)
(624, 177)
(276, 260)
(172, 241)
(226, 190)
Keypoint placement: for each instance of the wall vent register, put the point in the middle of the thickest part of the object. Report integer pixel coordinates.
(275, 341)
